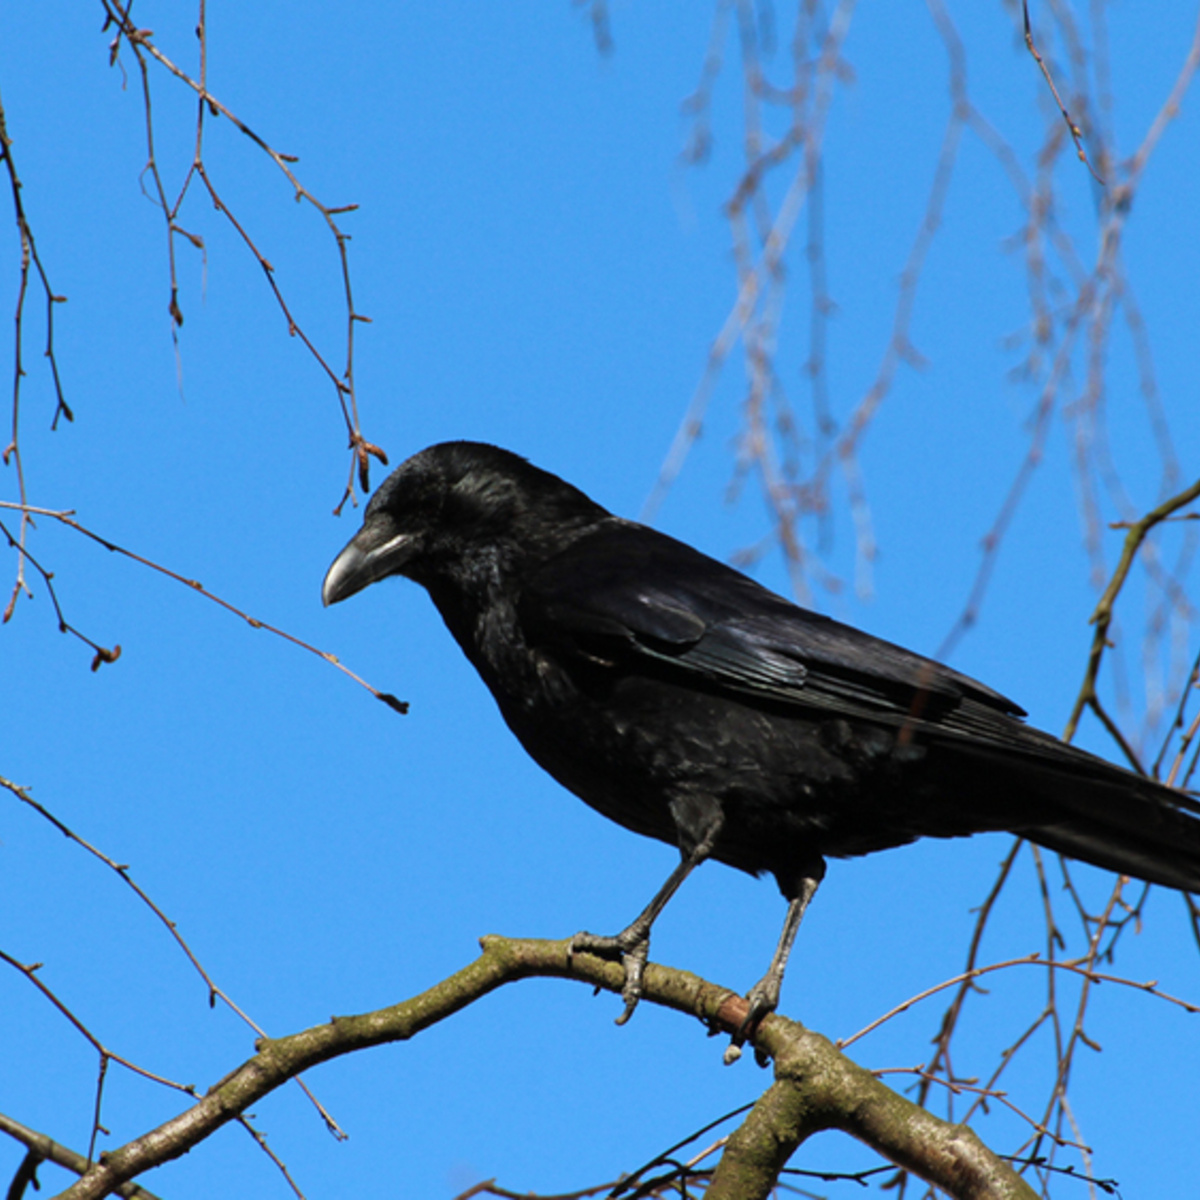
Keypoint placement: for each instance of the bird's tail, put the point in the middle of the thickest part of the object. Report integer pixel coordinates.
(1129, 825)
(1068, 800)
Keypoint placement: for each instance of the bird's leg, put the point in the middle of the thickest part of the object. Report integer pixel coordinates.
(632, 944)
(763, 997)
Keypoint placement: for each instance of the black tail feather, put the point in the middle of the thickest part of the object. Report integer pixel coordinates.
(1103, 814)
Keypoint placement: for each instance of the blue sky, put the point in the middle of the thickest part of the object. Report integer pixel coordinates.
(541, 271)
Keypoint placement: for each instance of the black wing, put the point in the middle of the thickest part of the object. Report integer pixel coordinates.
(630, 599)
(637, 600)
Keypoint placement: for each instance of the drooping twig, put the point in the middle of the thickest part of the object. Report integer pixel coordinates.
(142, 45)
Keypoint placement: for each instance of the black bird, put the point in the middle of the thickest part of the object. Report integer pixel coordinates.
(686, 702)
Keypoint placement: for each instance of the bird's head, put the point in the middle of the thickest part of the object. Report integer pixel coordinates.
(452, 507)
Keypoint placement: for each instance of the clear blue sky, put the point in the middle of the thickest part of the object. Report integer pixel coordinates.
(540, 272)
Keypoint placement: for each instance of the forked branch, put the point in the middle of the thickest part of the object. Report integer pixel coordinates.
(816, 1087)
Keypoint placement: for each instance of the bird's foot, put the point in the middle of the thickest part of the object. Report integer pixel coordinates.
(761, 1000)
(632, 946)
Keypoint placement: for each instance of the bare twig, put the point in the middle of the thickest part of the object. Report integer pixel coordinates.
(29, 258)
(122, 869)
(144, 49)
(1102, 617)
(67, 518)
(1075, 131)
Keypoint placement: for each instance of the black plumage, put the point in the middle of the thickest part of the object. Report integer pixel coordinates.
(686, 702)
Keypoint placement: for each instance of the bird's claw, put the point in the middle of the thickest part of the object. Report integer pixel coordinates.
(761, 1001)
(632, 950)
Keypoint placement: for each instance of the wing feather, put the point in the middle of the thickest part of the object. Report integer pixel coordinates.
(638, 600)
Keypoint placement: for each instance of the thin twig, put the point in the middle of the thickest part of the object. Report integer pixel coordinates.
(67, 517)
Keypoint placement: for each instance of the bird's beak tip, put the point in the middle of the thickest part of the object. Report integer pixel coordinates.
(343, 578)
(375, 552)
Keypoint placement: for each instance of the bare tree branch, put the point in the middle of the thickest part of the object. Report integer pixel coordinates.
(816, 1086)
(46, 1149)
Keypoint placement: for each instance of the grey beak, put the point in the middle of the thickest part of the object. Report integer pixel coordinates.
(375, 552)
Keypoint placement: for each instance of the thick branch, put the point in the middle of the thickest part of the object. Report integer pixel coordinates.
(46, 1149)
(816, 1086)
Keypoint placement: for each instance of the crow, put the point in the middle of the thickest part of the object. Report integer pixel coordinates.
(688, 703)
